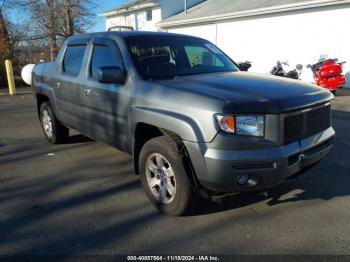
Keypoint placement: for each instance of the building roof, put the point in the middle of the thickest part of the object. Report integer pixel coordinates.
(133, 5)
(214, 10)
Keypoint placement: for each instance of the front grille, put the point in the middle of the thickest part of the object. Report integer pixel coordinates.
(305, 124)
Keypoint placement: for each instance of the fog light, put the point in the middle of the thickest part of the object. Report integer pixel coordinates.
(247, 181)
(243, 180)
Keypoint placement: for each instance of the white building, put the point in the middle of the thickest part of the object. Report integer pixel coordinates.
(143, 15)
(266, 31)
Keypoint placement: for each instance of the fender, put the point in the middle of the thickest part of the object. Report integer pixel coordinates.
(42, 85)
(182, 125)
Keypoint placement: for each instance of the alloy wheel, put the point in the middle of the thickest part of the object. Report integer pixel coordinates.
(160, 178)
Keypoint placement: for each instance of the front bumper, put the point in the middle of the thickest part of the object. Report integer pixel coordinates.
(219, 170)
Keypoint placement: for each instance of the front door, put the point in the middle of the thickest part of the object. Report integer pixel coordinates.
(106, 106)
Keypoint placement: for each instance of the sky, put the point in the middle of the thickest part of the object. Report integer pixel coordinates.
(105, 5)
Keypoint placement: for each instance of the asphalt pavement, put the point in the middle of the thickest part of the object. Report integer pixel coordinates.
(81, 198)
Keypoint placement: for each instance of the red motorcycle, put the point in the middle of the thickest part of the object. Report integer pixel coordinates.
(329, 74)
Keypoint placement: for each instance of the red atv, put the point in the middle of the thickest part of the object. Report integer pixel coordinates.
(329, 74)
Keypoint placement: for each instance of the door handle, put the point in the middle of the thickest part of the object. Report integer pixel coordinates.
(87, 92)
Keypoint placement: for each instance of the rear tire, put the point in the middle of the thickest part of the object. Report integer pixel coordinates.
(54, 131)
(164, 177)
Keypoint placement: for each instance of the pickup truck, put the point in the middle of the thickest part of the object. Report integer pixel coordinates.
(195, 125)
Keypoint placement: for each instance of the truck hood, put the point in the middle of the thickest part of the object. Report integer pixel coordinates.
(246, 92)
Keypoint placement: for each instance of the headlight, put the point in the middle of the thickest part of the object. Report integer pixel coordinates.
(247, 125)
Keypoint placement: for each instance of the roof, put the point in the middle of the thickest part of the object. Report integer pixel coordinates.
(214, 10)
(133, 5)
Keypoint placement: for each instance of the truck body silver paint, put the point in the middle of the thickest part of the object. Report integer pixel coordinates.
(185, 106)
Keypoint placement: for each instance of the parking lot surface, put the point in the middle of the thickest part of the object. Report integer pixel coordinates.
(82, 198)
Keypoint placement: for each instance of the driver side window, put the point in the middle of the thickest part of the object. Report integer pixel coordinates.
(103, 56)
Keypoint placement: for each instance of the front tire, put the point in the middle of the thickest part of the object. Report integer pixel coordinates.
(164, 177)
(54, 131)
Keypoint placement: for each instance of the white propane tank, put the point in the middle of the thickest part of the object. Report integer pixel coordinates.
(27, 73)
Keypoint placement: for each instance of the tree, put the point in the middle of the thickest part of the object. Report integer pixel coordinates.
(78, 15)
(4, 37)
(43, 27)
(6, 50)
(68, 17)
(56, 20)
(50, 25)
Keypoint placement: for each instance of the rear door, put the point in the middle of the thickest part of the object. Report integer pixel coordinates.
(67, 84)
(106, 106)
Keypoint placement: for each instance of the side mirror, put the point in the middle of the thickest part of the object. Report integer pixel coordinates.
(308, 66)
(299, 67)
(244, 66)
(111, 75)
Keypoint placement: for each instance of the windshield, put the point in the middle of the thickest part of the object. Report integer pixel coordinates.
(168, 57)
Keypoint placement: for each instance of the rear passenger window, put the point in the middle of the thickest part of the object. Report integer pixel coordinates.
(103, 56)
(73, 59)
